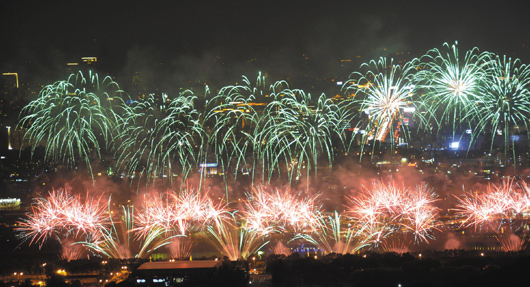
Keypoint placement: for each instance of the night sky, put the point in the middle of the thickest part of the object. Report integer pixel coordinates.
(176, 43)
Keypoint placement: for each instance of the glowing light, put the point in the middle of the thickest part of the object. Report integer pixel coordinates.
(385, 91)
(12, 74)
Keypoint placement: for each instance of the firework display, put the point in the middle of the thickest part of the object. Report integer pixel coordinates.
(178, 213)
(386, 90)
(452, 85)
(382, 215)
(73, 119)
(161, 138)
(233, 239)
(507, 200)
(281, 249)
(234, 114)
(387, 208)
(269, 210)
(512, 242)
(296, 133)
(180, 247)
(175, 218)
(334, 235)
(71, 251)
(504, 106)
(63, 214)
(274, 133)
(396, 246)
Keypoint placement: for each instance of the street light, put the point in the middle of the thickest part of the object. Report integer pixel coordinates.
(254, 259)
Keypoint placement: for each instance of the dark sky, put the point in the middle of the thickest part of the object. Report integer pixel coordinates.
(175, 42)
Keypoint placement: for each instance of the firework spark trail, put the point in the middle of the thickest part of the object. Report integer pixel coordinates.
(117, 238)
(396, 246)
(161, 139)
(296, 132)
(62, 213)
(334, 235)
(506, 200)
(386, 208)
(46, 217)
(200, 208)
(281, 249)
(166, 138)
(270, 210)
(74, 118)
(233, 239)
(70, 251)
(178, 214)
(451, 84)
(86, 217)
(135, 142)
(419, 212)
(66, 217)
(511, 242)
(180, 247)
(288, 131)
(504, 107)
(519, 199)
(385, 89)
(157, 212)
(234, 116)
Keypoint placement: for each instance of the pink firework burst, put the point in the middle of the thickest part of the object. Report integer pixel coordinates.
(273, 209)
(62, 214)
(178, 213)
(507, 200)
(387, 208)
